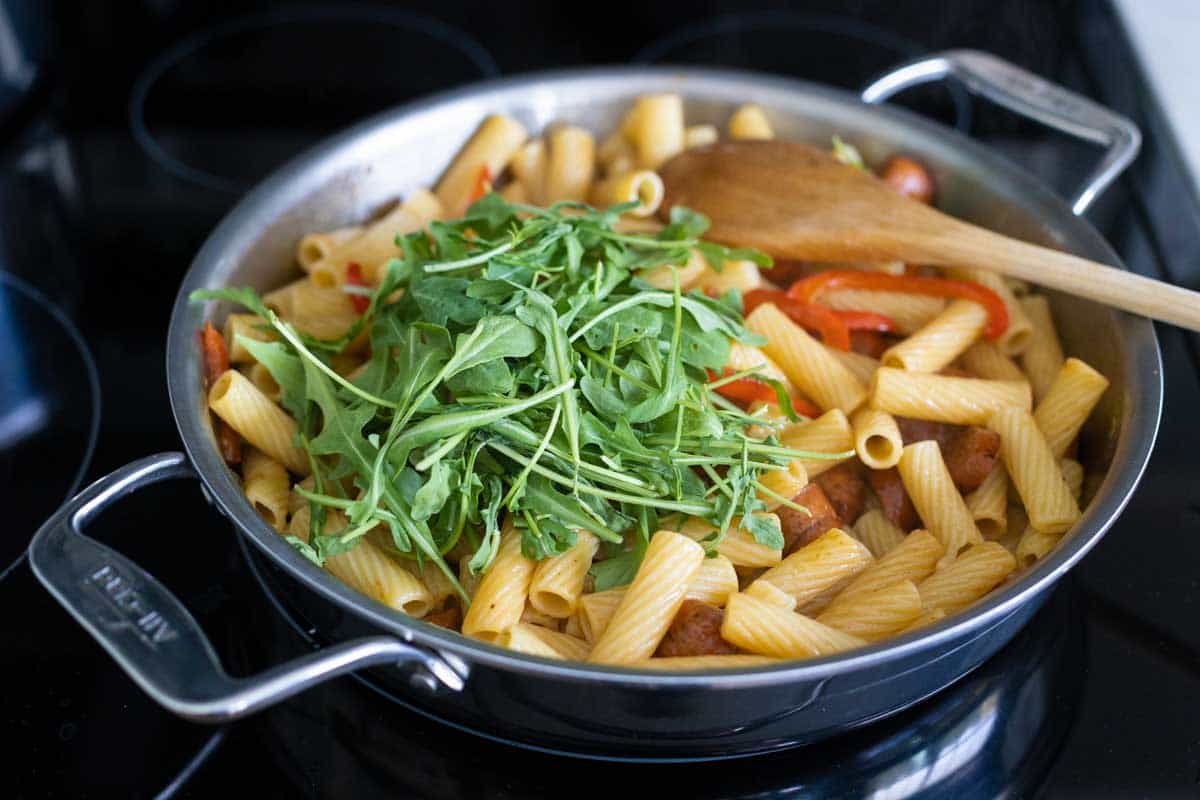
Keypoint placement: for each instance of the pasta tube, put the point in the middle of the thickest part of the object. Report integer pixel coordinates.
(875, 614)
(571, 165)
(1019, 333)
(769, 630)
(877, 438)
(914, 559)
(699, 136)
(500, 598)
(490, 147)
(316, 246)
(806, 361)
(649, 605)
(940, 398)
(256, 419)
(829, 433)
(940, 341)
(1034, 471)
(989, 504)
(377, 244)
(750, 122)
(557, 582)
(1068, 402)
(656, 128)
(928, 483)
(969, 577)
(877, 532)
(265, 484)
(642, 186)
(1043, 357)
(831, 559)
(986, 360)
(368, 569)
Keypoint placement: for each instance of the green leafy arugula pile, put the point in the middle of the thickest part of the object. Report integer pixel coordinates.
(525, 370)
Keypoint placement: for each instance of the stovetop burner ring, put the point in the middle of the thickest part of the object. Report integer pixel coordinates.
(445, 34)
(730, 25)
(44, 305)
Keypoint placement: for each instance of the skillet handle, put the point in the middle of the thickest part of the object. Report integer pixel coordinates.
(1026, 94)
(153, 637)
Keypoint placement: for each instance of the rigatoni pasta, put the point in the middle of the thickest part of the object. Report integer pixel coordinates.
(259, 421)
(500, 599)
(1067, 403)
(831, 560)
(939, 341)
(557, 582)
(1043, 356)
(944, 398)
(809, 366)
(769, 630)
(265, 484)
(1034, 470)
(932, 490)
(969, 577)
(646, 609)
(568, 478)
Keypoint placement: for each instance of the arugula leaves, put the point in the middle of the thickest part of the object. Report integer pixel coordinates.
(525, 373)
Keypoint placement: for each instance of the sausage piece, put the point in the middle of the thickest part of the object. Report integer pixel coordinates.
(449, 618)
(846, 490)
(799, 528)
(695, 631)
(921, 430)
(969, 452)
(970, 455)
(909, 177)
(897, 506)
(870, 343)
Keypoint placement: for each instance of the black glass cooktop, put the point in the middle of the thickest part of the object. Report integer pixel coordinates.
(128, 128)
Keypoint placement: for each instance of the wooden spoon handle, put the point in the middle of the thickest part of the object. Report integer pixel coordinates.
(976, 247)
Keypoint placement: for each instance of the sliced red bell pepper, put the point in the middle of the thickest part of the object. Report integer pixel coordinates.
(832, 329)
(743, 390)
(483, 184)
(807, 289)
(216, 355)
(749, 390)
(229, 443)
(216, 364)
(866, 321)
(354, 277)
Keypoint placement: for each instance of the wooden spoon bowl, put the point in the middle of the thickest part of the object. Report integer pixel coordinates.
(795, 201)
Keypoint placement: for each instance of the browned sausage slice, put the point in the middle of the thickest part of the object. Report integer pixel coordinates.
(910, 178)
(846, 490)
(870, 343)
(897, 506)
(695, 631)
(921, 430)
(970, 455)
(799, 528)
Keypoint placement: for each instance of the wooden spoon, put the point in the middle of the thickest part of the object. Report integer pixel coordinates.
(794, 201)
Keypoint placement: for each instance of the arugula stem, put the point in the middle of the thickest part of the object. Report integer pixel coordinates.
(787, 501)
(287, 333)
(695, 509)
(470, 261)
(519, 483)
(517, 432)
(613, 368)
(436, 455)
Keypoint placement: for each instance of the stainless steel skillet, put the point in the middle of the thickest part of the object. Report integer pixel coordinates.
(600, 711)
